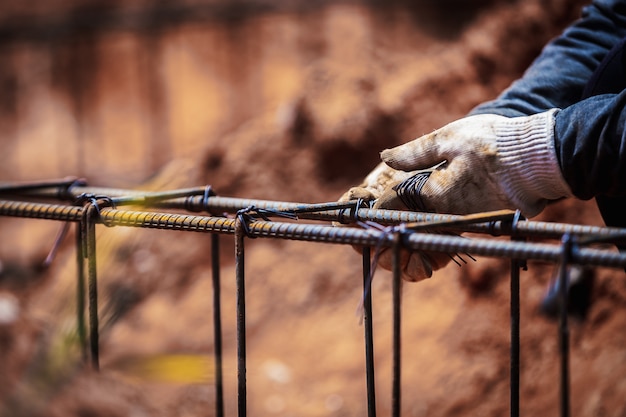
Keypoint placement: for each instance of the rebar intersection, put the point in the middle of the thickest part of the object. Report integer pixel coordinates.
(246, 218)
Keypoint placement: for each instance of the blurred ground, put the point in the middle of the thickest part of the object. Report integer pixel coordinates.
(273, 100)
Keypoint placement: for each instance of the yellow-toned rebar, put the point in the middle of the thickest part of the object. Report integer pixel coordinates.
(320, 233)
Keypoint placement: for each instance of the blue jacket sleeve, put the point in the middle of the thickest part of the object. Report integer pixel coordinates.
(590, 139)
(558, 76)
(589, 133)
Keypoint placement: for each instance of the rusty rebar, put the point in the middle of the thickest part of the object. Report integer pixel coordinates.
(396, 380)
(88, 229)
(514, 363)
(80, 293)
(412, 235)
(241, 316)
(192, 199)
(568, 250)
(514, 308)
(494, 248)
(370, 381)
(217, 325)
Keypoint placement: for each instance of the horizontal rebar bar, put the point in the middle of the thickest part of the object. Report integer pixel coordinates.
(196, 202)
(320, 233)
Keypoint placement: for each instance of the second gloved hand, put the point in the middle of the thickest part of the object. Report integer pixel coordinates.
(493, 162)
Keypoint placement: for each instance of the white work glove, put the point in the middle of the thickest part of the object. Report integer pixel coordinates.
(378, 186)
(493, 162)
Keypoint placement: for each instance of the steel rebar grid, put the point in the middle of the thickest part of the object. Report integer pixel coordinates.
(196, 202)
(321, 233)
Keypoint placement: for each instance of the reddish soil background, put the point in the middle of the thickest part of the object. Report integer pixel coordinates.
(287, 102)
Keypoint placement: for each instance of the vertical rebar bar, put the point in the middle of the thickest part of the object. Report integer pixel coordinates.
(516, 266)
(217, 325)
(369, 333)
(80, 292)
(567, 245)
(57, 244)
(515, 338)
(241, 316)
(90, 228)
(396, 307)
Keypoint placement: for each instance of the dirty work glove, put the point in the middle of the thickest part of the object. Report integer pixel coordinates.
(378, 186)
(493, 163)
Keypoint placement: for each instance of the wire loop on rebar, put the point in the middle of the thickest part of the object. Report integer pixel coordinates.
(351, 207)
(243, 216)
(208, 192)
(98, 202)
(250, 213)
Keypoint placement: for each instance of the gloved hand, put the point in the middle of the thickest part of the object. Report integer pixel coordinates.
(379, 186)
(492, 163)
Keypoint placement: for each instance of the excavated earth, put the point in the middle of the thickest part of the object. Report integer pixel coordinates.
(288, 102)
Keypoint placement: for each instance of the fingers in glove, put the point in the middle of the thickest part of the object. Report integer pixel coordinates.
(420, 153)
(414, 265)
(356, 193)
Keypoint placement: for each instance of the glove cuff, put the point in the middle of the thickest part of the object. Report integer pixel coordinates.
(530, 170)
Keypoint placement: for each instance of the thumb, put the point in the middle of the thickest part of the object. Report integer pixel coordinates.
(420, 153)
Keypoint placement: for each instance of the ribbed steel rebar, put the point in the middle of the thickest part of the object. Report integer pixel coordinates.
(89, 242)
(370, 380)
(217, 325)
(514, 386)
(195, 201)
(201, 199)
(241, 317)
(80, 293)
(40, 211)
(396, 308)
(567, 249)
(321, 233)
